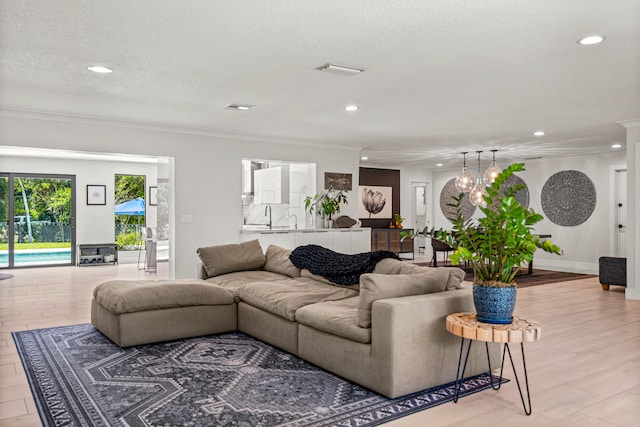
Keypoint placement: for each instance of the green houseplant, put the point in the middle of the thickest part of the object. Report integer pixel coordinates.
(397, 220)
(496, 244)
(328, 202)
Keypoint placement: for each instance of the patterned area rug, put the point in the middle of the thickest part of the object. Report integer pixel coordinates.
(79, 377)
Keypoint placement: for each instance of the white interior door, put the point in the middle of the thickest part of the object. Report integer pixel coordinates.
(621, 213)
(419, 211)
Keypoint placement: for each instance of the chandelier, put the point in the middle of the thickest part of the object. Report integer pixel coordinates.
(492, 171)
(464, 180)
(476, 196)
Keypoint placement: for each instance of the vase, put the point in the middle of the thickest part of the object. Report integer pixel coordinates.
(494, 304)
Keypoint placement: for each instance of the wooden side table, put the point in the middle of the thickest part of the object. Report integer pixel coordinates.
(469, 329)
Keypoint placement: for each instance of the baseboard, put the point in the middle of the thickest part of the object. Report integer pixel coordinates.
(568, 266)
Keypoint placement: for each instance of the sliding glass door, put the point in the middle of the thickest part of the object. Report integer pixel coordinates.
(40, 220)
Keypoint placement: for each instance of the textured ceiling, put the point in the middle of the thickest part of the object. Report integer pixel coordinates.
(441, 76)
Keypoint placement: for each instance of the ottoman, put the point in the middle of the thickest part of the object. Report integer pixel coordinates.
(133, 312)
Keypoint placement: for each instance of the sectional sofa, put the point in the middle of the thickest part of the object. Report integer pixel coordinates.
(386, 332)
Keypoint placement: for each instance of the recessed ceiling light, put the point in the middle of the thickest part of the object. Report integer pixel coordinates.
(352, 108)
(539, 133)
(100, 69)
(438, 164)
(239, 107)
(345, 70)
(364, 158)
(591, 40)
(616, 146)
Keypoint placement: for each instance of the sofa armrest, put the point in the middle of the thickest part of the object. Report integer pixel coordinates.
(410, 333)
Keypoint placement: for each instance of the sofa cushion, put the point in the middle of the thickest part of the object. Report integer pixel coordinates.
(284, 297)
(306, 273)
(278, 261)
(234, 281)
(335, 318)
(222, 259)
(131, 296)
(393, 266)
(380, 286)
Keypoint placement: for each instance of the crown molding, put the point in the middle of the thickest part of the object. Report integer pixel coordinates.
(156, 127)
(629, 123)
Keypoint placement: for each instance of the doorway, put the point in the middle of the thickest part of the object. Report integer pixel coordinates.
(37, 220)
(620, 233)
(419, 212)
(129, 211)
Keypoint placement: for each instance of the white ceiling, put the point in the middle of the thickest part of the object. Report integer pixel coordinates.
(441, 76)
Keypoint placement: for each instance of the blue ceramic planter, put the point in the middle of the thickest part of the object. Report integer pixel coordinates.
(494, 305)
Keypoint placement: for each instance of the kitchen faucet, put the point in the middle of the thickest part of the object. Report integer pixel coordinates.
(268, 208)
(296, 224)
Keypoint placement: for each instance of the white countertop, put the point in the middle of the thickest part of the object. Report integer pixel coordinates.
(265, 230)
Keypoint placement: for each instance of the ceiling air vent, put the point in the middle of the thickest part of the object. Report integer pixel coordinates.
(344, 70)
(240, 107)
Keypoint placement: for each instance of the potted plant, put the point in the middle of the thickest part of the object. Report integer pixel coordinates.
(495, 246)
(397, 220)
(328, 202)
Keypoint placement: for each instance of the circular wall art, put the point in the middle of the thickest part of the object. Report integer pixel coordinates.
(447, 194)
(568, 198)
(522, 196)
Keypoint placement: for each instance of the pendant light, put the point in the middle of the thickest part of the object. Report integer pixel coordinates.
(476, 196)
(464, 180)
(492, 171)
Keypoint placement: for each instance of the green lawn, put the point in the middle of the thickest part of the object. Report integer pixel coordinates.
(43, 245)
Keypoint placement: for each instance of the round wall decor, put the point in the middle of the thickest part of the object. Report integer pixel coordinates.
(568, 198)
(522, 196)
(447, 194)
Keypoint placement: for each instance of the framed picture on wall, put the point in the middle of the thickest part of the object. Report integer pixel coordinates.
(153, 196)
(375, 202)
(338, 181)
(96, 194)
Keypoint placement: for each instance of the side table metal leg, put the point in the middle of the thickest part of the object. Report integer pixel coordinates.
(465, 346)
(497, 386)
(526, 378)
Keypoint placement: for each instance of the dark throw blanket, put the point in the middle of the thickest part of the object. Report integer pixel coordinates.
(340, 268)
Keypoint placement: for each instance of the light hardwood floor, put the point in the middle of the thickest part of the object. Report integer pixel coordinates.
(585, 371)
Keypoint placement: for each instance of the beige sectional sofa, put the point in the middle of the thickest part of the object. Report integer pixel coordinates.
(386, 332)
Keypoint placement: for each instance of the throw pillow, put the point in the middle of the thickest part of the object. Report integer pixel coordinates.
(380, 286)
(396, 266)
(278, 262)
(223, 259)
(456, 276)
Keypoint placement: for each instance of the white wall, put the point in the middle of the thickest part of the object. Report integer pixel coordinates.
(582, 244)
(207, 170)
(94, 223)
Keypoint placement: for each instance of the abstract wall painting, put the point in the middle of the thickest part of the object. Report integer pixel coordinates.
(374, 202)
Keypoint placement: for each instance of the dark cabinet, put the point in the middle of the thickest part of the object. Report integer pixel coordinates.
(390, 239)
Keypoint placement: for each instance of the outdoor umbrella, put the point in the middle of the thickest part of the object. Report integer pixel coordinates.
(131, 207)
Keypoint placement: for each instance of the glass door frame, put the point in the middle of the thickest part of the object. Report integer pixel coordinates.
(10, 225)
(10, 217)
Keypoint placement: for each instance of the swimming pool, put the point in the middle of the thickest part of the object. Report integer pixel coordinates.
(37, 256)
